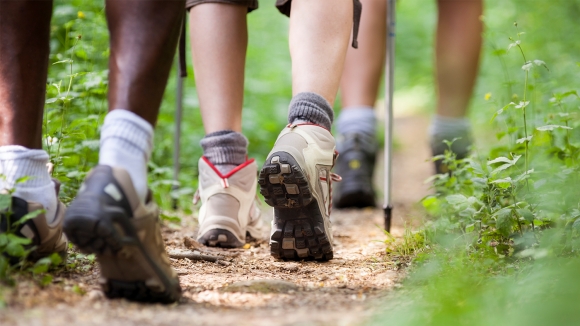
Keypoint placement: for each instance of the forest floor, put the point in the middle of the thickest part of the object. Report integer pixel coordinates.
(255, 289)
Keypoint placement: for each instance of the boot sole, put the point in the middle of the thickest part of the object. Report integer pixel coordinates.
(298, 230)
(220, 238)
(106, 231)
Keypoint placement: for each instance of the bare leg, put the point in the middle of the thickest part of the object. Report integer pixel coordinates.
(363, 67)
(318, 42)
(143, 39)
(24, 49)
(457, 54)
(219, 37)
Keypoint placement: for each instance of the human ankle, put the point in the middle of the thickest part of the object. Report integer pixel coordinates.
(127, 142)
(308, 107)
(225, 149)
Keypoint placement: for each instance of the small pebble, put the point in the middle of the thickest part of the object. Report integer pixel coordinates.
(95, 295)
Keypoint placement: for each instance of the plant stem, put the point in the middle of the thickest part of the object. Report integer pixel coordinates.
(526, 142)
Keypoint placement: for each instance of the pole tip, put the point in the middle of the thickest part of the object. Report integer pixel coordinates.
(388, 215)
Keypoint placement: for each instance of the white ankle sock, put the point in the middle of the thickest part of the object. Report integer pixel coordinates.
(17, 162)
(127, 142)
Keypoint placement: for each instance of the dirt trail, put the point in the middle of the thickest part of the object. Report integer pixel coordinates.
(254, 289)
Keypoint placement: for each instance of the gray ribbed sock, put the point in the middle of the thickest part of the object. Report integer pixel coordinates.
(448, 128)
(310, 108)
(225, 149)
(357, 120)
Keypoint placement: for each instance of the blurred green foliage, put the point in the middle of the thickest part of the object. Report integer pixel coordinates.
(503, 241)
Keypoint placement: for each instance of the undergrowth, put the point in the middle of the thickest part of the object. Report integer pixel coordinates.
(502, 242)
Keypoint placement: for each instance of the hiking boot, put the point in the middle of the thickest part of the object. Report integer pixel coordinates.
(355, 165)
(108, 219)
(228, 212)
(296, 181)
(46, 236)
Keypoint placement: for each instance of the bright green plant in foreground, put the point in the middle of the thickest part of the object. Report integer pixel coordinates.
(14, 249)
(501, 202)
(504, 237)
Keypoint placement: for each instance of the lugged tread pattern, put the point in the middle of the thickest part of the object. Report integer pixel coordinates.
(90, 225)
(220, 238)
(298, 227)
(275, 183)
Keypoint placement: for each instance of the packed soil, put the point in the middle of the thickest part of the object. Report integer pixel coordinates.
(251, 287)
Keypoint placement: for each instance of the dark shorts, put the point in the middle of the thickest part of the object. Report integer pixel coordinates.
(283, 5)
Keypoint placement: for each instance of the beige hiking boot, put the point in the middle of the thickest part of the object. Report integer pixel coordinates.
(296, 181)
(108, 219)
(228, 213)
(47, 237)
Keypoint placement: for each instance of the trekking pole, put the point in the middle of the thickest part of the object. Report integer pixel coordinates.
(181, 72)
(389, 83)
(177, 133)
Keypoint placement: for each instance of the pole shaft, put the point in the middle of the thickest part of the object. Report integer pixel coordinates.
(389, 86)
(177, 131)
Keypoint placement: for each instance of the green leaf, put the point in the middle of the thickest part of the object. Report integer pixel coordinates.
(569, 93)
(503, 183)
(55, 259)
(29, 216)
(541, 63)
(504, 221)
(507, 163)
(3, 239)
(77, 289)
(457, 199)
(576, 224)
(470, 228)
(524, 139)
(516, 43)
(522, 105)
(15, 249)
(5, 201)
(501, 159)
(39, 269)
(524, 175)
(526, 214)
(552, 127)
(499, 52)
(46, 280)
(13, 238)
(23, 179)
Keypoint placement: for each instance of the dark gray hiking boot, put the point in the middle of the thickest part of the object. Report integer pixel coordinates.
(46, 237)
(355, 165)
(108, 219)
